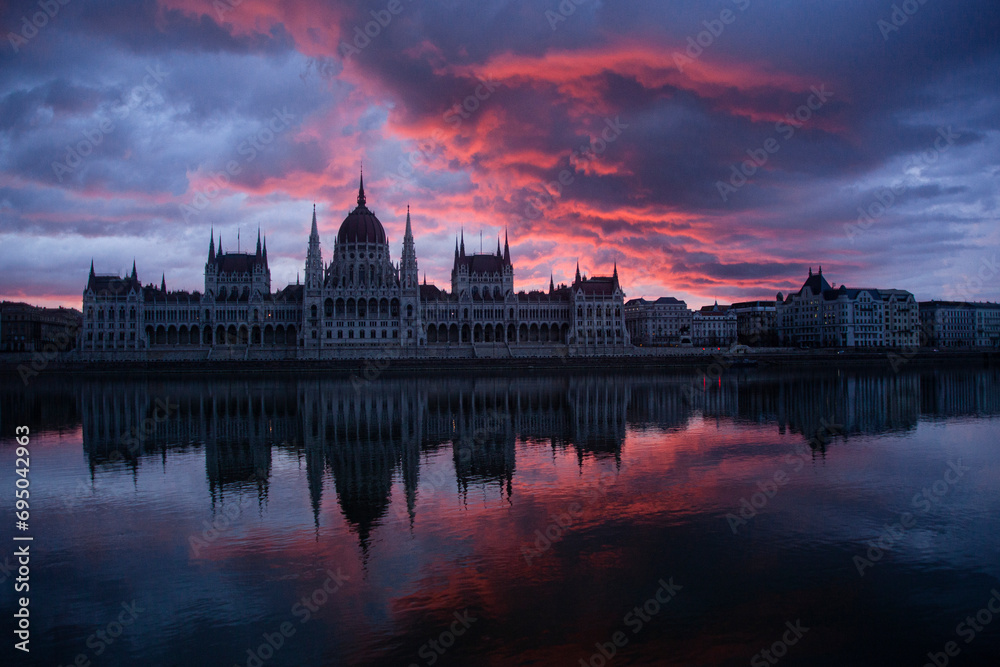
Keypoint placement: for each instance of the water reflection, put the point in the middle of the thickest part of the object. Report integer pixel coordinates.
(365, 435)
(427, 491)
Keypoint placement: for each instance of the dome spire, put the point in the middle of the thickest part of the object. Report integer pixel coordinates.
(361, 188)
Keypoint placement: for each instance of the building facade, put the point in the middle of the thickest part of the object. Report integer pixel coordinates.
(27, 328)
(960, 323)
(713, 326)
(756, 323)
(357, 302)
(820, 316)
(665, 321)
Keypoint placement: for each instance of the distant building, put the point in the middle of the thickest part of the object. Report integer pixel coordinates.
(665, 321)
(960, 323)
(27, 328)
(820, 316)
(756, 323)
(713, 326)
(357, 302)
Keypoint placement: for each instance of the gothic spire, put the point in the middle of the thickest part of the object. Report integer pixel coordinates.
(314, 233)
(265, 249)
(577, 270)
(499, 254)
(409, 232)
(91, 267)
(258, 241)
(163, 283)
(135, 275)
(219, 253)
(211, 246)
(462, 247)
(361, 189)
(552, 284)
(506, 248)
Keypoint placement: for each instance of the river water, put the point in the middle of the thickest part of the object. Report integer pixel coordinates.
(822, 518)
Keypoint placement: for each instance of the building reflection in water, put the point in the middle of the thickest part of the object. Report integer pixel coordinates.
(367, 436)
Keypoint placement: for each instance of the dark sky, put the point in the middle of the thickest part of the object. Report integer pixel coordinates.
(128, 129)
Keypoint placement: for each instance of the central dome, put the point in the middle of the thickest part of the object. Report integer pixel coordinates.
(361, 225)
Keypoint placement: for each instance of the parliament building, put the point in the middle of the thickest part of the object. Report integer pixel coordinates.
(358, 304)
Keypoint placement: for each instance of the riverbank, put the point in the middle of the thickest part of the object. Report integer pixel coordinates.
(712, 361)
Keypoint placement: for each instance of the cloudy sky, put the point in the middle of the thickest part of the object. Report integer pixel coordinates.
(713, 149)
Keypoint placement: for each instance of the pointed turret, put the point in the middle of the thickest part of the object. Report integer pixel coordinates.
(258, 242)
(314, 257)
(91, 267)
(506, 248)
(552, 284)
(461, 248)
(219, 253)
(135, 275)
(577, 271)
(265, 250)
(499, 253)
(163, 283)
(408, 262)
(361, 189)
(211, 246)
